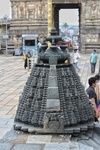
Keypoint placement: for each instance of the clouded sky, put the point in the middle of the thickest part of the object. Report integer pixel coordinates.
(5, 8)
(69, 15)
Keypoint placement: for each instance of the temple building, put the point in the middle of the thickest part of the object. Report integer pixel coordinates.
(37, 17)
(28, 17)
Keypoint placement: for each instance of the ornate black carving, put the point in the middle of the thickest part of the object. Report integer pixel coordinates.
(54, 98)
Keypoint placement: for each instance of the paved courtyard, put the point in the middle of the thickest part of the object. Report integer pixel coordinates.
(12, 80)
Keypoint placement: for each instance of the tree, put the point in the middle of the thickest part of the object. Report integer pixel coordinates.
(65, 25)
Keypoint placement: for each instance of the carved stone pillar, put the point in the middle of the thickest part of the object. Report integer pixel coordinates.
(12, 5)
(49, 15)
(82, 27)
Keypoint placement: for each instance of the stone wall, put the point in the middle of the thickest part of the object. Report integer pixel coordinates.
(31, 16)
(28, 17)
(90, 21)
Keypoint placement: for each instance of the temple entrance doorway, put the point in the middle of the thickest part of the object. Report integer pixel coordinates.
(72, 27)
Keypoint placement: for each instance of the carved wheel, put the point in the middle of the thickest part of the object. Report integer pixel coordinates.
(54, 125)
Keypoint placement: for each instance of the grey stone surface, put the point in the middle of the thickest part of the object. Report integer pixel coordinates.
(73, 145)
(52, 71)
(96, 137)
(67, 146)
(97, 127)
(56, 146)
(53, 93)
(52, 81)
(53, 105)
(85, 147)
(5, 146)
(30, 128)
(27, 147)
(11, 134)
(38, 139)
(53, 60)
(91, 143)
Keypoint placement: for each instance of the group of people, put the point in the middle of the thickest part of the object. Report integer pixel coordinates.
(93, 60)
(76, 56)
(93, 92)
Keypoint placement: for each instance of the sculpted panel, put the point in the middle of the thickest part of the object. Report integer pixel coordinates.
(92, 9)
(91, 38)
(18, 10)
(83, 12)
(21, 10)
(15, 10)
(42, 10)
(31, 10)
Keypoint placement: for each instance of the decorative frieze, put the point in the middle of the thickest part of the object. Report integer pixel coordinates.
(30, 10)
(92, 9)
(91, 38)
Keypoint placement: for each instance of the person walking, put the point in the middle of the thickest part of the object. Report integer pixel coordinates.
(76, 57)
(93, 60)
(92, 95)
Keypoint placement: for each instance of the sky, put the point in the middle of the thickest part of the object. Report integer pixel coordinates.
(5, 8)
(65, 15)
(69, 16)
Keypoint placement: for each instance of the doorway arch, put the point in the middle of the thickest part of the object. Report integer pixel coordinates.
(89, 21)
(56, 9)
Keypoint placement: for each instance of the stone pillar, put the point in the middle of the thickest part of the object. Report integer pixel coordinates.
(90, 26)
(82, 28)
(49, 15)
(12, 5)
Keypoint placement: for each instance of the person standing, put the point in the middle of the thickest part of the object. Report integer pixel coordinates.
(28, 55)
(92, 95)
(76, 57)
(39, 46)
(97, 88)
(93, 60)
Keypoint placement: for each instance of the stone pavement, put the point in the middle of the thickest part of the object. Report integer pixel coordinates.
(12, 80)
